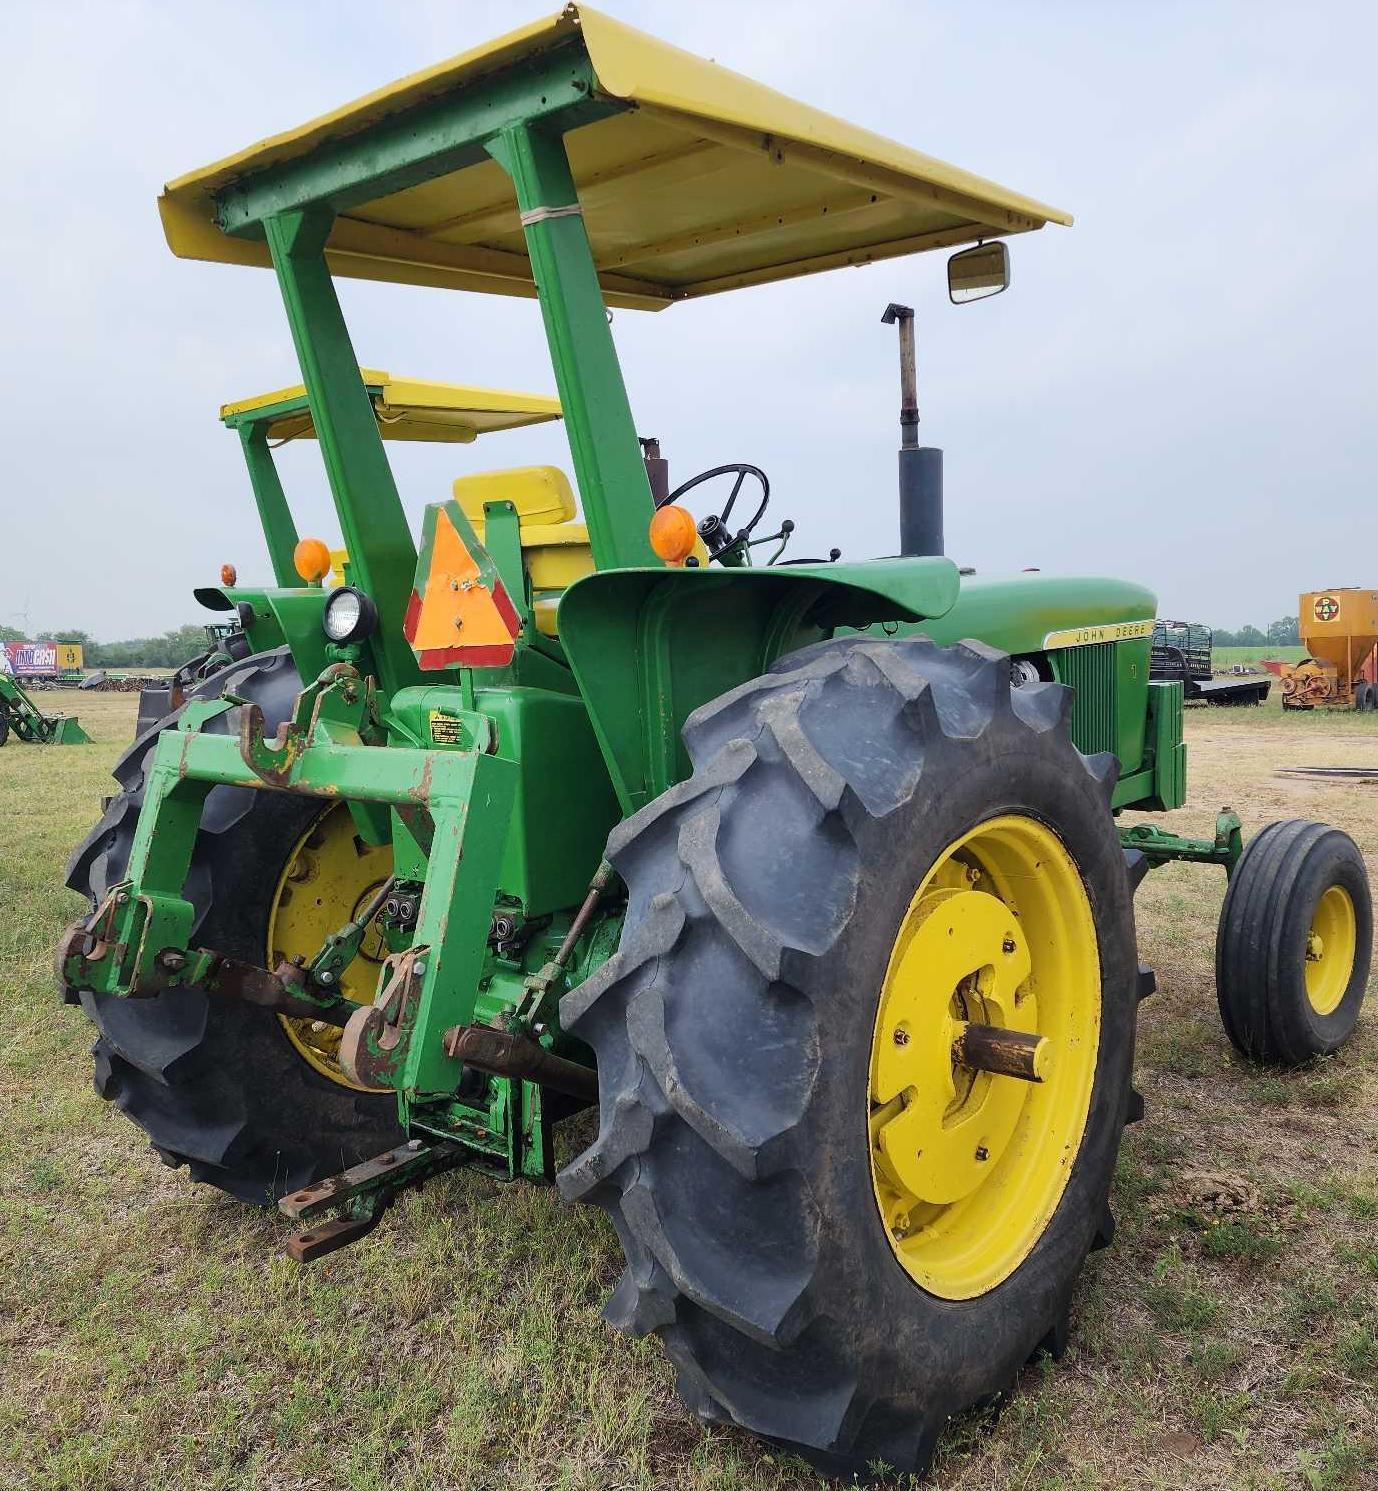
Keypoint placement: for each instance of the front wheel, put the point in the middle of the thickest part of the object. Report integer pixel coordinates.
(1293, 947)
(845, 1212)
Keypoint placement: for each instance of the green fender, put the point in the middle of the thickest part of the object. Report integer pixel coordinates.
(276, 616)
(649, 646)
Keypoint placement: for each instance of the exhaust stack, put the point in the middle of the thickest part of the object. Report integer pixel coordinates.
(921, 466)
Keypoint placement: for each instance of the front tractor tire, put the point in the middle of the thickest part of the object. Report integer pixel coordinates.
(1294, 943)
(228, 1089)
(844, 1225)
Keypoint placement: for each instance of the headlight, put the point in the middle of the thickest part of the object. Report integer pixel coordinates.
(349, 615)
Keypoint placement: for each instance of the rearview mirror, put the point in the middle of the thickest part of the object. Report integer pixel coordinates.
(977, 272)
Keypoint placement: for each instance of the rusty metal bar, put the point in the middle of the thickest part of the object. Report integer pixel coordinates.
(360, 1195)
(1007, 1053)
(504, 1054)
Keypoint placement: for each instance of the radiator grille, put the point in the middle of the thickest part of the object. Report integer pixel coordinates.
(1091, 672)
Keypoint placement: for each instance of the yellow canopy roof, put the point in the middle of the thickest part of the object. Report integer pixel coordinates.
(409, 409)
(709, 182)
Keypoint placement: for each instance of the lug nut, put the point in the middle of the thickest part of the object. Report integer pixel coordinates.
(982, 1153)
(1008, 945)
(901, 1036)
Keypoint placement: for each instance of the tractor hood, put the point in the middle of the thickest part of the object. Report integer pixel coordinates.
(1029, 613)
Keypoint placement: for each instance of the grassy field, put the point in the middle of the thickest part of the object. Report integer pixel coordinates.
(153, 1336)
(1227, 657)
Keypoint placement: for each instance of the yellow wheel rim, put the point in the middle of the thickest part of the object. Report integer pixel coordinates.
(1330, 950)
(969, 1164)
(328, 877)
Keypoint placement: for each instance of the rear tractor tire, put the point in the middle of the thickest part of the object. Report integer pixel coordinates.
(250, 1102)
(845, 1223)
(1294, 943)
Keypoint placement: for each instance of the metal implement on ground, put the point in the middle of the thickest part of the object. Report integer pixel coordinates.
(21, 718)
(763, 853)
(1339, 629)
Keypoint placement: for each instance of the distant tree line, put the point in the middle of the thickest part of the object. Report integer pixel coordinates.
(1284, 632)
(168, 651)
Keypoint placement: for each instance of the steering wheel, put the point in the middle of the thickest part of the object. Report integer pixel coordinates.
(713, 530)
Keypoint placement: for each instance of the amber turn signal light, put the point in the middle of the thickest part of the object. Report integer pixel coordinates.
(673, 534)
(312, 560)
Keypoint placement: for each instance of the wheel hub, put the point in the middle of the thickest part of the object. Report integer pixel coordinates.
(984, 1055)
(328, 879)
(1331, 943)
(954, 971)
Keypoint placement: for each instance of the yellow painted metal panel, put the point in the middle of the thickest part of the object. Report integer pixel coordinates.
(1340, 627)
(1089, 636)
(415, 409)
(555, 559)
(710, 182)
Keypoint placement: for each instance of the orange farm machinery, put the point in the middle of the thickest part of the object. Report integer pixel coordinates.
(1338, 629)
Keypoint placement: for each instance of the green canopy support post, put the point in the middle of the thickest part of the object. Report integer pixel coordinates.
(382, 555)
(279, 530)
(613, 484)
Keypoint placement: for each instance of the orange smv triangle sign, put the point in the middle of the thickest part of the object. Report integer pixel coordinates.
(459, 612)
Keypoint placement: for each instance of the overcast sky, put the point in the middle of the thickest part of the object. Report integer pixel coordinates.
(1180, 389)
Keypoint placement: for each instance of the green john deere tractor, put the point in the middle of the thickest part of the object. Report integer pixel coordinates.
(807, 874)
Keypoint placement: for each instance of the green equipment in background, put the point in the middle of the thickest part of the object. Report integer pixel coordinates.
(22, 718)
(806, 871)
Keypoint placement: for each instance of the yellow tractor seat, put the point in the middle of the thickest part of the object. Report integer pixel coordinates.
(542, 495)
(555, 549)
